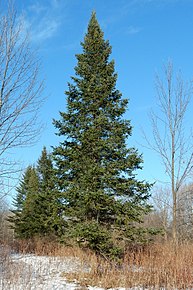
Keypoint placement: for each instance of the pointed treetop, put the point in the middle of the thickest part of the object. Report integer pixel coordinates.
(96, 50)
(93, 18)
(94, 25)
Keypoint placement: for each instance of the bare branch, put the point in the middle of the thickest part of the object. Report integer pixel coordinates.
(20, 87)
(170, 140)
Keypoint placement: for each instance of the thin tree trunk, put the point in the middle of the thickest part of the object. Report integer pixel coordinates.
(174, 193)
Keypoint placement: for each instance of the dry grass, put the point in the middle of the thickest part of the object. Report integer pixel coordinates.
(158, 266)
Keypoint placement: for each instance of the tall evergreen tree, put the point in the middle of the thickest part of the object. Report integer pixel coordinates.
(96, 170)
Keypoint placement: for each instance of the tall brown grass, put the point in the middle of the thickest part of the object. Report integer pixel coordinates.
(153, 267)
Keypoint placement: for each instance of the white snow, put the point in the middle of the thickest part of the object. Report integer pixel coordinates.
(30, 272)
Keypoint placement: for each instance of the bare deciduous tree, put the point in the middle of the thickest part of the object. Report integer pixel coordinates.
(161, 198)
(20, 89)
(171, 140)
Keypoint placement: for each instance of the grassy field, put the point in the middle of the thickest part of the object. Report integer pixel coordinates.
(159, 266)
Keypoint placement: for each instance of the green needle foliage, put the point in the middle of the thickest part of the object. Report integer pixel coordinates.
(96, 171)
(23, 214)
(37, 203)
(50, 207)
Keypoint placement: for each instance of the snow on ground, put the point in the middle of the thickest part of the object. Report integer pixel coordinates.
(30, 272)
(38, 273)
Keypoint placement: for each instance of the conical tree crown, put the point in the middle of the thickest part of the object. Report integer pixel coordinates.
(45, 170)
(24, 203)
(37, 203)
(96, 170)
(93, 63)
(22, 189)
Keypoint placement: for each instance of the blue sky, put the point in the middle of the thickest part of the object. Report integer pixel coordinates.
(144, 35)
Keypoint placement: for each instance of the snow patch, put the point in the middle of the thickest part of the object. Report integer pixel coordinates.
(30, 272)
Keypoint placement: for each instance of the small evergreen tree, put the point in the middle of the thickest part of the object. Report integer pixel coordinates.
(29, 223)
(22, 189)
(49, 196)
(23, 211)
(37, 203)
(95, 169)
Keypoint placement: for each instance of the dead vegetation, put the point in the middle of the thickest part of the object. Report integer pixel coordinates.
(154, 267)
